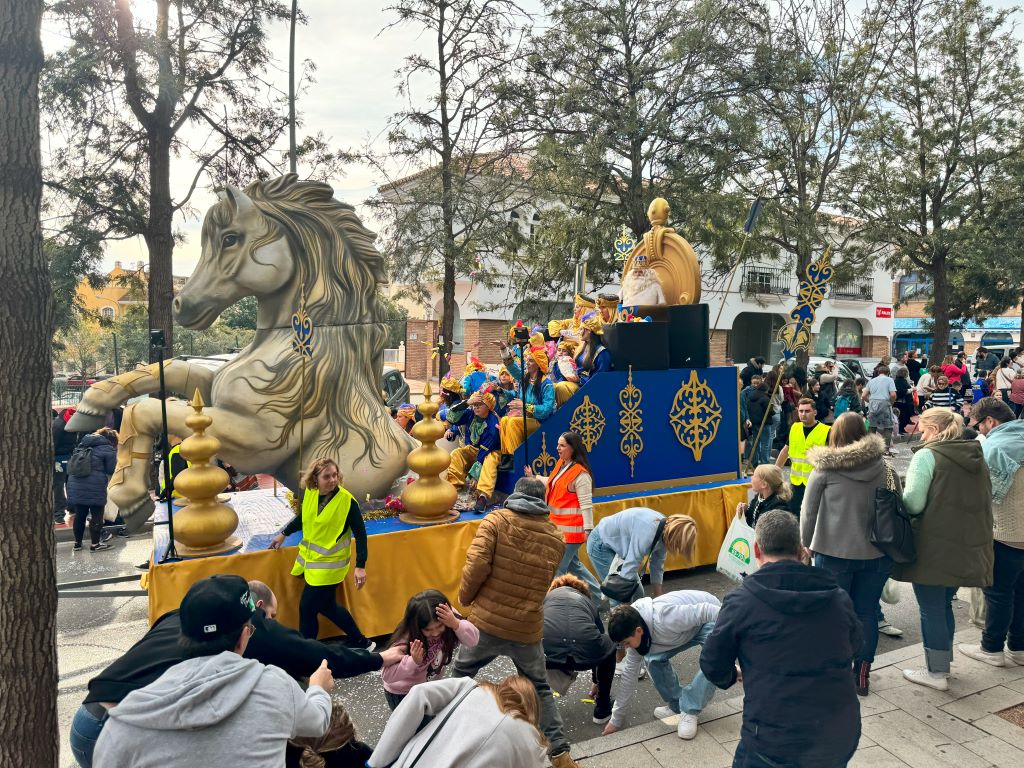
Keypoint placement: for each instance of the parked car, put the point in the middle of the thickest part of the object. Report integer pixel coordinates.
(817, 365)
(861, 366)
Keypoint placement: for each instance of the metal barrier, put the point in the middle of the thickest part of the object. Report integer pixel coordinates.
(81, 588)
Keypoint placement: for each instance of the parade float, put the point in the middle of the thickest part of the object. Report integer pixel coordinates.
(661, 429)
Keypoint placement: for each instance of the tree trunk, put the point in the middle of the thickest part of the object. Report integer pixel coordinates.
(160, 237)
(940, 308)
(28, 596)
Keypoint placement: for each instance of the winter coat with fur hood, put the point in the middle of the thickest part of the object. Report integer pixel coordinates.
(839, 505)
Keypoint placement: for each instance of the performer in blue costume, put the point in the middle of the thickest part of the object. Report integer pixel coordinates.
(591, 358)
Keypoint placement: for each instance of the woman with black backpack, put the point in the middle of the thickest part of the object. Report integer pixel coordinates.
(89, 471)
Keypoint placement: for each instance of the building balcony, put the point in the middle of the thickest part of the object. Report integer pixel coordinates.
(766, 280)
(858, 290)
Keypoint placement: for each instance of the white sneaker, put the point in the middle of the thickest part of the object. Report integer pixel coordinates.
(664, 713)
(1017, 657)
(979, 653)
(927, 679)
(887, 629)
(687, 727)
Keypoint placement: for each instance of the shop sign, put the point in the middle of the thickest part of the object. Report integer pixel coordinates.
(883, 311)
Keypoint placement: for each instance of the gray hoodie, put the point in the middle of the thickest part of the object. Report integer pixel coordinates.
(212, 711)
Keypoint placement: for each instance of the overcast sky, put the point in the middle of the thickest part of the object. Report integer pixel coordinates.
(350, 102)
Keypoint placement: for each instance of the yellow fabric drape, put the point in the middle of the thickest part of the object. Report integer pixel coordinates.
(402, 563)
(511, 430)
(563, 391)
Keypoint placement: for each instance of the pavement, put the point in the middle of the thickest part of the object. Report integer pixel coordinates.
(94, 631)
(903, 724)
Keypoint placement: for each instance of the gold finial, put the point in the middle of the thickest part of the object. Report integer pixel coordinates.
(205, 526)
(658, 212)
(429, 499)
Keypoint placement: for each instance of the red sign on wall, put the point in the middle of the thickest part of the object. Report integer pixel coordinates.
(851, 351)
(883, 311)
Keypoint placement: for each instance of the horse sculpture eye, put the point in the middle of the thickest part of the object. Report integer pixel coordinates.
(229, 240)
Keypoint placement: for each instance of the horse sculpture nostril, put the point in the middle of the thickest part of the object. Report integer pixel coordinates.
(176, 305)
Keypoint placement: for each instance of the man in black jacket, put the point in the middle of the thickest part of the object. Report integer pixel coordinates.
(794, 633)
(159, 650)
(754, 368)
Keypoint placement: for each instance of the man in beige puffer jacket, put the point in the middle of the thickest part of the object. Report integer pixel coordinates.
(509, 567)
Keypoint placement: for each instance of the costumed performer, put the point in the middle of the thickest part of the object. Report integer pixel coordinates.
(608, 303)
(330, 520)
(405, 416)
(571, 326)
(504, 391)
(480, 453)
(563, 371)
(641, 286)
(592, 357)
(538, 400)
(570, 498)
(475, 376)
(452, 401)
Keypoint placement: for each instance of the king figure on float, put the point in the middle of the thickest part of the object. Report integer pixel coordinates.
(279, 240)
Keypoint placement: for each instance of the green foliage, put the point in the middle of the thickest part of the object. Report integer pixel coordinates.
(241, 315)
(931, 172)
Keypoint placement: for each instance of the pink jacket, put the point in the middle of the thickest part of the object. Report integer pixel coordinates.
(401, 677)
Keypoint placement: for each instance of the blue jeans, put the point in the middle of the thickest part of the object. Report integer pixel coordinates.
(937, 624)
(693, 698)
(764, 448)
(85, 730)
(571, 564)
(601, 557)
(863, 581)
(1004, 601)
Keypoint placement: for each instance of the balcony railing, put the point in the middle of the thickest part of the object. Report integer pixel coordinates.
(772, 280)
(859, 290)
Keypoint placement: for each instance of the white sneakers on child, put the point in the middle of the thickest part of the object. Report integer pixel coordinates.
(687, 726)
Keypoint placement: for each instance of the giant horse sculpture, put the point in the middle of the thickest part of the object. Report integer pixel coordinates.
(279, 240)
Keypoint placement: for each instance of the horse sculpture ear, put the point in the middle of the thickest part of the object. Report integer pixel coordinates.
(242, 202)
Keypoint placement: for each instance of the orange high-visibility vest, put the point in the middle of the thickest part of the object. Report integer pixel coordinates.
(564, 505)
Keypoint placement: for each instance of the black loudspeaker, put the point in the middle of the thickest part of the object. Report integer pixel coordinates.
(641, 345)
(689, 337)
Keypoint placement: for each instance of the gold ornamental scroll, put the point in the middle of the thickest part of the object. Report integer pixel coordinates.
(669, 255)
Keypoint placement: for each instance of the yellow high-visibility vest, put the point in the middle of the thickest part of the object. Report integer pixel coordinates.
(325, 552)
(170, 470)
(798, 447)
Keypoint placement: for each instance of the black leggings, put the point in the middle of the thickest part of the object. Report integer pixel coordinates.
(95, 515)
(323, 600)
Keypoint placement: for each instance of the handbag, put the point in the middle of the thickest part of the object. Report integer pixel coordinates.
(440, 725)
(892, 532)
(617, 587)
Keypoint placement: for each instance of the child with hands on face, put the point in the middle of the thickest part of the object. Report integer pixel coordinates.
(430, 633)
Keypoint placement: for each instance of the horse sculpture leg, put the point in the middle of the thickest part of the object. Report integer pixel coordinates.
(142, 425)
(180, 378)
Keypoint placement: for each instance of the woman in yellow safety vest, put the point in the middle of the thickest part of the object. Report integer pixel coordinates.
(330, 520)
(570, 498)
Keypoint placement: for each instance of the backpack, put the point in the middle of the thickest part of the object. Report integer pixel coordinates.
(80, 463)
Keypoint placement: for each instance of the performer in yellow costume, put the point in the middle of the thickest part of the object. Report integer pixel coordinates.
(479, 457)
(581, 305)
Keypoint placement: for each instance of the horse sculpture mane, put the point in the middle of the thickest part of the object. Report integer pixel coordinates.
(340, 268)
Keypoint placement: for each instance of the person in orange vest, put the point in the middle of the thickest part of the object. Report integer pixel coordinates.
(570, 492)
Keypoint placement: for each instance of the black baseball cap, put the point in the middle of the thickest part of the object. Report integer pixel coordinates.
(216, 606)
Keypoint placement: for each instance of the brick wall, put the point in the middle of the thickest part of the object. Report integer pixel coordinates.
(417, 355)
(477, 338)
(719, 347)
(875, 346)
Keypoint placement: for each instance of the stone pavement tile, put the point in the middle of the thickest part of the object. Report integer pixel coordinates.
(865, 741)
(624, 738)
(997, 752)
(626, 757)
(873, 703)
(875, 757)
(923, 703)
(1008, 732)
(978, 705)
(1017, 685)
(715, 710)
(898, 656)
(970, 676)
(887, 677)
(726, 729)
(918, 744)
(730, 746)
(700, 752)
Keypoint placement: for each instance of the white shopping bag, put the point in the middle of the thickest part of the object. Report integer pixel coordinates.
(736, 557)
(110, 512)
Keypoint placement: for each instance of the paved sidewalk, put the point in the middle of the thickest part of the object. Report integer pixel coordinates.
(903, 724)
